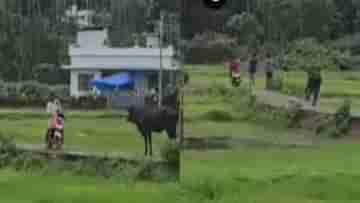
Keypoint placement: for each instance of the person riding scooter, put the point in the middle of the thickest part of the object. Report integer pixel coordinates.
(56, 129)
(235, 72)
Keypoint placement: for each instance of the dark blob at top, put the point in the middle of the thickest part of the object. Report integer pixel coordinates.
(214, 4)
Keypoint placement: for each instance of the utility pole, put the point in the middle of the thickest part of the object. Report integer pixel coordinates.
(181, 88)
(161, 65)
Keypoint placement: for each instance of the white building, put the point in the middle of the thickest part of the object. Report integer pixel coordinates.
(83, 18)
(152, 40)
(90, 58)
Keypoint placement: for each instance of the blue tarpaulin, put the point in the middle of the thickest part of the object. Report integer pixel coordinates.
(122, 81)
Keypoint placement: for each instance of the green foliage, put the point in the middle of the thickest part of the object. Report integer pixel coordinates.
(7, 150)
(246, 28)
(218, 116)
(339, 125)
(348, 42)
(206, 189)
(209, 47)
(32, 90)
(343, 119)
(101, 167)
(277, 83)
(220, 90)
(295, 115)
(35, 94)
(26, 43)
(295, 89)
(170, 152)
(211, 39)
(310, 56)
(128, 17)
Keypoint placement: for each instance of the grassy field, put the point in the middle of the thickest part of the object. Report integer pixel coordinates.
(16, 187)
(87, 131)
(336, 87)
(329, 174)
(328, 171)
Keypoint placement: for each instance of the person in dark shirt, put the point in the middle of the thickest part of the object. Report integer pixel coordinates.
(253, 68)
(269, 69)
(313, 85)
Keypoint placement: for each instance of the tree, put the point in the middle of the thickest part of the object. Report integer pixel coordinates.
(26, 42)
(318, 24)
(310, 56)
(127, 19)
(246, 28)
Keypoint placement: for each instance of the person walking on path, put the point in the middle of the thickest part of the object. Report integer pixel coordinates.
(253, 68)
(313, 85)
(234, 67)
(269, 69)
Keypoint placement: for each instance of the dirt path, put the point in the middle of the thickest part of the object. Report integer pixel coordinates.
(226, 143)
(314, 114)
(75, 154)
(281, 100)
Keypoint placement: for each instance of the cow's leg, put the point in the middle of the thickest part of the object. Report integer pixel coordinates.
(171, 131)
(150, 142)
(146, 146)
(144, 134)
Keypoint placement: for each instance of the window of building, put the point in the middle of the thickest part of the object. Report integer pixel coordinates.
(84, 81)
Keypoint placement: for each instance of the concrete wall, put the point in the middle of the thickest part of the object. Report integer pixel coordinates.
(121, 59)
(120, 99)
(92, 39)
(74, 81)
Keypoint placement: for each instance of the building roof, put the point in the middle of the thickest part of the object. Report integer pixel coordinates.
(121, 52)
(121, 59)
(91, 53)
(124, 67)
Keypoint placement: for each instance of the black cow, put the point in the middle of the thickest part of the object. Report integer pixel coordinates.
(169, 100)
(151, 118)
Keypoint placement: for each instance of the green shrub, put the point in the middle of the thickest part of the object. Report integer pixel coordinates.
(338, 125)
(208, 48)
(7, 150)
(12, 90)
(352, 77)
(277, 84)
(145, 170)
(33, 89)
(28, 162)
(7, 145)
(218, 116)
(308, 54)
(343, 119)
(60, 91)
(211, 55)
(170, 151)
(295, 89)
(26, 93)
(220, 90)
(242, 98)
(295, 116)
(3, 90)
(206, 189)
